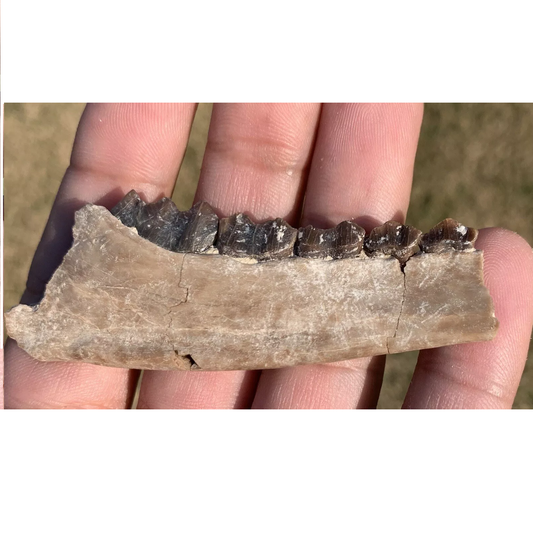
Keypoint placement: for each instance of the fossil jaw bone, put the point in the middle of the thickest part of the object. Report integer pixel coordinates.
(120, 300)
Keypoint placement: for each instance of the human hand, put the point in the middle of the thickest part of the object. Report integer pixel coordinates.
(262, 159)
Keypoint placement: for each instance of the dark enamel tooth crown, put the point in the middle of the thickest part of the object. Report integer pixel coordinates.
(127, 210)
(199, 229)
(157, 222)
(344, 240)
(393, 238)
(238, 236)
(448, 235)
(163, 224)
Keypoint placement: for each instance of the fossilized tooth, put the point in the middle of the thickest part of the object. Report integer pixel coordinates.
(158, 222)
(239, 237)
(200, 226)
(128, 209)
(342, 241)
(393, 238)
(447, 236)
(163, 224)
(120, 300)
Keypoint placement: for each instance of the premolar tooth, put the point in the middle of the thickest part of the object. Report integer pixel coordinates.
(447, 236)
(344, 240)
(162, 223)
(238, 236)
(393, 238)
(128, 209)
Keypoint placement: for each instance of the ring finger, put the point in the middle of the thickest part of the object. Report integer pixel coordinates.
(362, 168)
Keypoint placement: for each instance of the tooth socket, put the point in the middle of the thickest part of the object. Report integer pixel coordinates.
(342, 241)
(448, 236)
(238, 236)
(393, 238)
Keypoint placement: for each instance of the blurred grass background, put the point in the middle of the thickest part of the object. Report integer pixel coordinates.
(474, 163)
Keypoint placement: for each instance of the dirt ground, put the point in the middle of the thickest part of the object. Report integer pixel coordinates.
(474, 163)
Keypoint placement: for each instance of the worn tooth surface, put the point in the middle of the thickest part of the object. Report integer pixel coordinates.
(198, 229)
(447, 236)
(238, 236)
(349, 238)
(157, 223)
(315, 243)
(128, 209)
(163, 224)
(344, 240)
(393, 238)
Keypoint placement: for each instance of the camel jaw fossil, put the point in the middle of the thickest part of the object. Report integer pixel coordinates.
(120, 300)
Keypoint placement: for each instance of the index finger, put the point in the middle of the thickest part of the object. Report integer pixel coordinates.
(118, 147)
(362, 168)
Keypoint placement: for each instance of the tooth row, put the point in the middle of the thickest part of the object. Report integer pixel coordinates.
(199, 230)
(161, 222)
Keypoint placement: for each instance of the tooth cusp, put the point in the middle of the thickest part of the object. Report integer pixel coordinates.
(128, 209)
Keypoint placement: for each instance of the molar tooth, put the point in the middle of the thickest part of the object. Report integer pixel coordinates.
(349, 238)
(344, 240)
(447, 236)
(314, 243)
(393, 238)
(128, 209)
(238, 236)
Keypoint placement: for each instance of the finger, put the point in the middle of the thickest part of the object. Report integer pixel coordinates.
(484, 374)
(256, 161)
(31, 384)
(362, 168)
(2, 377)
(118, 147)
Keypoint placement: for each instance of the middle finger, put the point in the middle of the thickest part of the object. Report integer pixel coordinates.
(362, 168)
(256, 161)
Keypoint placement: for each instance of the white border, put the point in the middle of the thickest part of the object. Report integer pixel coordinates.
(63, 51)
(270, 471)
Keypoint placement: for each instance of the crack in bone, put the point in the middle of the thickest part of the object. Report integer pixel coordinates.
(389, 339)
(171, 318)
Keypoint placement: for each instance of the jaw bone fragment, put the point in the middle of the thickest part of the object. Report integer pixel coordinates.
(157, 297)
